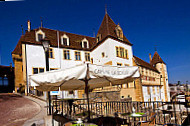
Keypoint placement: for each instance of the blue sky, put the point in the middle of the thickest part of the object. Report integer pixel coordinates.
(146, 23)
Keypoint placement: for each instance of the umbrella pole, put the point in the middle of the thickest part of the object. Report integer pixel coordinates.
(87, 90)
(87, 95)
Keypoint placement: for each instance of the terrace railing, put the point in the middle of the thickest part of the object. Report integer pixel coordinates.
(166, 112)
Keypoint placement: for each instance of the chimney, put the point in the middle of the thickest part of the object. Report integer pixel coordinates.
(150, 57)
(29, 25)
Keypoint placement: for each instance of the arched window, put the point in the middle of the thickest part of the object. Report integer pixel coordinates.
(65, 40)
(40, 35)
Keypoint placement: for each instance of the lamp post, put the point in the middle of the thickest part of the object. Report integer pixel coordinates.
(160, 87)
(45, 44)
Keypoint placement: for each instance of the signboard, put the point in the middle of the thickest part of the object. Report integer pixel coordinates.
(54, 92)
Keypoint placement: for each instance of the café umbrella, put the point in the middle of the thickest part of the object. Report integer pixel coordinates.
(84, 76)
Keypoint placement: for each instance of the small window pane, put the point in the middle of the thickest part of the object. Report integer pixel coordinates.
(35, 70)
(87, 56)
(6, 82)
(77, 56)
(66, 54)
(1, 81)
(50, 53)
(64, 41)
(85, 44)
(41, 70)
(40, 36)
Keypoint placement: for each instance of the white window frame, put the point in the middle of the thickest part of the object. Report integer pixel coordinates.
(65, 36)
(40, 32)
(85, 40)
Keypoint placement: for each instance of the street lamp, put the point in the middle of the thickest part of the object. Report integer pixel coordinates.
(45, 43)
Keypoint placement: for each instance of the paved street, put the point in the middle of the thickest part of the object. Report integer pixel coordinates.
(39, 118)
(15, 109)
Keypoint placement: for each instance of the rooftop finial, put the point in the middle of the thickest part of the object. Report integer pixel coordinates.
(41, 22)
(155, 48)
(22, 29)
(106, 9)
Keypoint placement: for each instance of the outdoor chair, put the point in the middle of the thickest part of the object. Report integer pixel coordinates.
(150, 122)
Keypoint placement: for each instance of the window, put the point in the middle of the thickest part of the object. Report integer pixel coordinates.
(121, 52)
(35, 70)
(64, 41)
(6, 82)
(119, 64)
(103, 54)
(41, 70)
(66, 54)
(38, 70)
(98, 37)
(40, 37)
(117, 51)
(126, 54)
(119, 32)
(77, 56)
(1, 81)
(87, 56)
(71, 92)
(92, 60)
(51, 55)
(85, 44)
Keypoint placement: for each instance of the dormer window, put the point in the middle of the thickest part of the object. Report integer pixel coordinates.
(98, 38)
(65, 40)
(85, 43)
(119, 32)
(40, 35)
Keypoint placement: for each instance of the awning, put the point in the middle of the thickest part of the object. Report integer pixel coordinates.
(74, 78)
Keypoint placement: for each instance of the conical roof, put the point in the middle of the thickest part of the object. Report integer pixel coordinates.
(156, 59)
(107, 28)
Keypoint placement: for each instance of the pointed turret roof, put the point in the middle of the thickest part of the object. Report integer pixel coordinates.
(156, 59)
(107, 28)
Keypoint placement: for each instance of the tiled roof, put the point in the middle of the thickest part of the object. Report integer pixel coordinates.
(74, 39)
(156, 59)
(143, 63)
(107, 28)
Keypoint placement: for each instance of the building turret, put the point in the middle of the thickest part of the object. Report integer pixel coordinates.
(161, 67)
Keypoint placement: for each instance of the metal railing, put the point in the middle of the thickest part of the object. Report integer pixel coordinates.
(166, 112)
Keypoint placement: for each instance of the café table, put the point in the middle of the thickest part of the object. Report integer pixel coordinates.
(137, 115)
(79, 123)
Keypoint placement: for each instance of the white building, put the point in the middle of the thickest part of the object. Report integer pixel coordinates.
(110, 47)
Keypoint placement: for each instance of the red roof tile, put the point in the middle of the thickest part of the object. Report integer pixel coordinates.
(107, 28)
(143, 63)
(156, 59)
(74, 40)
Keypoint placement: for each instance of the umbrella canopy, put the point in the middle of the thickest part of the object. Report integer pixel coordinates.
(74, 78)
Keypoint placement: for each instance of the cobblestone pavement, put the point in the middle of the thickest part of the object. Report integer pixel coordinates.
(16, 109)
